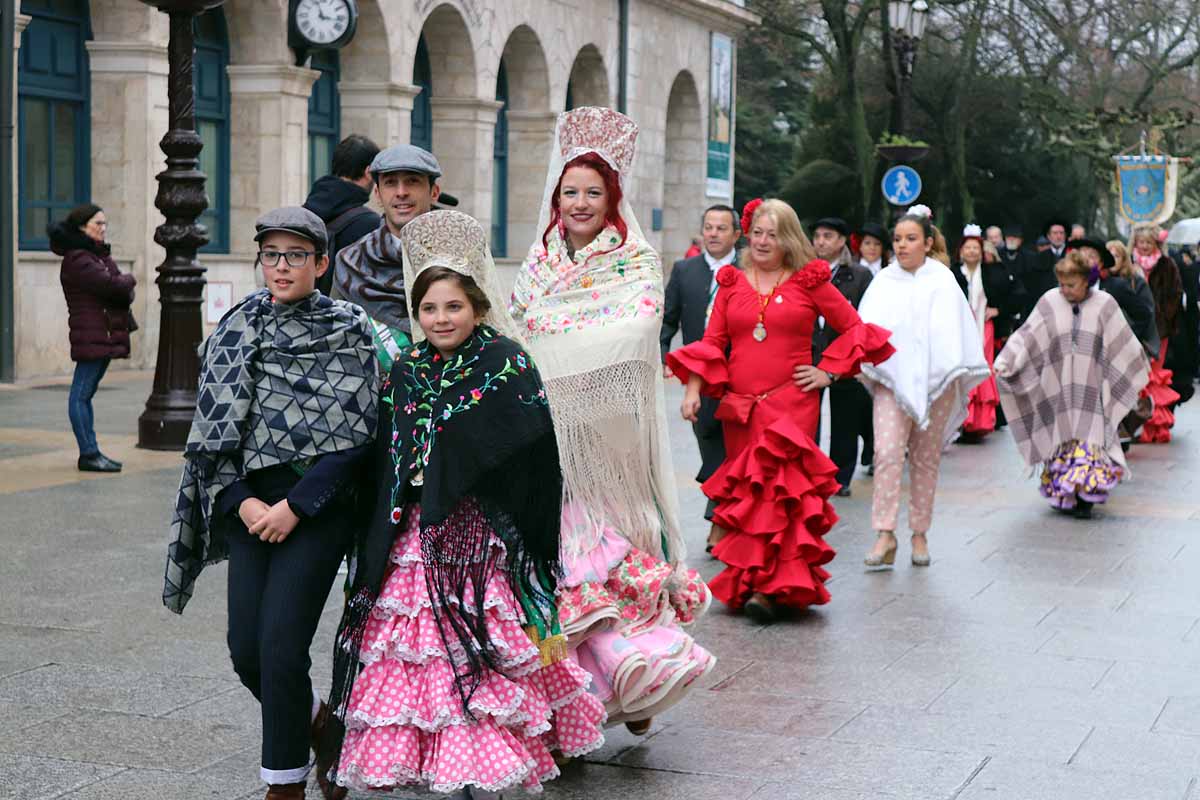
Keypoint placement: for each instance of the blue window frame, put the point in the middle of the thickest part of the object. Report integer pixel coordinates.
(324, 114)
(422, 114)
(53, 117)
(500, 168)
(212, 123)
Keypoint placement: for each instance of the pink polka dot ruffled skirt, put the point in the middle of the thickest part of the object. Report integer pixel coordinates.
(406, 725)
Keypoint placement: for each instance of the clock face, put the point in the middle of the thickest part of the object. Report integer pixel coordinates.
(322, 21)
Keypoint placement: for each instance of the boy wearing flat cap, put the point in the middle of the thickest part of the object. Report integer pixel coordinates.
(370, 272)
(284, 411)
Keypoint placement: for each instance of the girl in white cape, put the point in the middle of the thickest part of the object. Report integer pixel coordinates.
(920, 394)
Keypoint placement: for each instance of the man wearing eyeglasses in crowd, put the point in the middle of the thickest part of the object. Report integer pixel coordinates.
(370, 272)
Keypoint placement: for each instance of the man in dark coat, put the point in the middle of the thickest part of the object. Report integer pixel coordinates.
(1016, 260)
(340, 199)
(690, 291)
(850, 405)
(1040, 277)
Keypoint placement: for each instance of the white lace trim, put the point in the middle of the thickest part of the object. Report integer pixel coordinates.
(509, 716)
(352, 778)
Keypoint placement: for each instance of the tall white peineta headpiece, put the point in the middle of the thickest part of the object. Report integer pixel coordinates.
(972, 230)
(456, 241)
(921, 210)
(609, 133)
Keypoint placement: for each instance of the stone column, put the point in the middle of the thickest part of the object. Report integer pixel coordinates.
(21, 22)
(268, 143)
(129, 116)
(530, 139)
(463, 132)
(381, 111)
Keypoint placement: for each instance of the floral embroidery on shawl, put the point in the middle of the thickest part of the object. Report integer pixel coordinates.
(552, 294)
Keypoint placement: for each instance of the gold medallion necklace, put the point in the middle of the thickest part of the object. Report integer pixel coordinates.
(760, 330)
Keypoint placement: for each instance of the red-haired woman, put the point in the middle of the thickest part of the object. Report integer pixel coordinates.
(590, 301)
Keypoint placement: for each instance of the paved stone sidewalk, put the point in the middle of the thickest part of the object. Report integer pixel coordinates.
(1039, 657)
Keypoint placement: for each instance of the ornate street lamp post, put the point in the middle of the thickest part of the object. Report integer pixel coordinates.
(181, 198)
(907, 21)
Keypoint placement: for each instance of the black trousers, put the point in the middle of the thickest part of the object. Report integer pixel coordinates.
(711, 440)
(276, 595)
(850, 417)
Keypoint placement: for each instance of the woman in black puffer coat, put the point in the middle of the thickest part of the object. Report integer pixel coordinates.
(98, 315)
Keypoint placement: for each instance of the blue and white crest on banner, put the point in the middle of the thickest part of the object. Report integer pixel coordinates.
(1148, 186)
(901, 185)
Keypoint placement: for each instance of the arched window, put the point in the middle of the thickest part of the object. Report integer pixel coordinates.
(324, 114)
(53, 122)
(500, 169)
(570, 96)
(212, 122)
(422, 114)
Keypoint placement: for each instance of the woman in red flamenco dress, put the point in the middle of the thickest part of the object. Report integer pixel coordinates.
(772, 491)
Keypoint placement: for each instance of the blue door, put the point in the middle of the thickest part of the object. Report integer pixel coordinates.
(324, 114)
(212, 123)
(500, 169)
(53, 118)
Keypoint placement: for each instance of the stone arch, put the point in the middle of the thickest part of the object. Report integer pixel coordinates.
(530, 131)
(258, 32)
(368, 56)
(451, 53)
(372, 103)
(588, 83)
(683, 172)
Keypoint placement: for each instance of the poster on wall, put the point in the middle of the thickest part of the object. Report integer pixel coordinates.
(720, 118)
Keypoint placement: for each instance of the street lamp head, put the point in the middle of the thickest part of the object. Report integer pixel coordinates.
(920, 13)
(898, 14)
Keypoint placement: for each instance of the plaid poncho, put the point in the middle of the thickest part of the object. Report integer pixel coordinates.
(1070, 372)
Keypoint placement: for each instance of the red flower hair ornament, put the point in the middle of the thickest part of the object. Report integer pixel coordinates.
(748, 214)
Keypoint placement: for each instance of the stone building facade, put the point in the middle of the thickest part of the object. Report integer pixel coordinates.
(480, 82)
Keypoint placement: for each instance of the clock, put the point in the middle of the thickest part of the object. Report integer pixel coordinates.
(321, 24)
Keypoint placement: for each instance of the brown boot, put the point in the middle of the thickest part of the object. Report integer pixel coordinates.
(329, 790)
(285, 791)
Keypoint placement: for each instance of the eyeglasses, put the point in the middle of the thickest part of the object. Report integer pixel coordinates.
(295, 258)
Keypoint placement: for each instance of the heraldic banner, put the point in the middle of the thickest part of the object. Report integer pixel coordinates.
(1148, 185)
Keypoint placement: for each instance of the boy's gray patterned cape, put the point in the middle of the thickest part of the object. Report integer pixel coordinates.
(279, 384)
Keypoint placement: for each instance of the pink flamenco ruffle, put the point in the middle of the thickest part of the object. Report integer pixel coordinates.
(865, 343)
(406, 725)
(626, 630)
(773, 501)
(1157, 429)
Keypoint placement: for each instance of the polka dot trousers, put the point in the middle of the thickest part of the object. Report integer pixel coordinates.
(895, 433)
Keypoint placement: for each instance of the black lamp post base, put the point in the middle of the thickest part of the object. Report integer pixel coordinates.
(165, 423)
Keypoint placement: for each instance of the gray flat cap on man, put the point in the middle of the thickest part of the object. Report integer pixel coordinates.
(293, 219)
(405, 158)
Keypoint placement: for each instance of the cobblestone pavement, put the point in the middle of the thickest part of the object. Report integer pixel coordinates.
(1039, 657)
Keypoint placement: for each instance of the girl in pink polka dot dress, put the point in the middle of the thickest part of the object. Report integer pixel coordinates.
(450, 667)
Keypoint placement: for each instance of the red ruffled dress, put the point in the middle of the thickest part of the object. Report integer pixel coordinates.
(772, 491)
(1157, 429)
(981, 410)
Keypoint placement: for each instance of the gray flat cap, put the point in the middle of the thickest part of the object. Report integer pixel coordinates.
(293, 219)
(405, 158)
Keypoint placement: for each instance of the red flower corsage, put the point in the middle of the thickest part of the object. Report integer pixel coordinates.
(727, 275)
(815, 273)
(748, 214)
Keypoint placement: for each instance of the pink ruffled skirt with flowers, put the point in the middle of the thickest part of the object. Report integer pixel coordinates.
(623, 612)
(405, 724)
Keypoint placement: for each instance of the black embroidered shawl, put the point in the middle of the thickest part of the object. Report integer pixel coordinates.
(279, 383)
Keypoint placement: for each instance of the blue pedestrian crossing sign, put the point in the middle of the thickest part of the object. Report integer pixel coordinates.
(901, 185)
